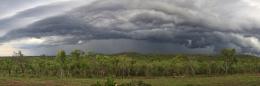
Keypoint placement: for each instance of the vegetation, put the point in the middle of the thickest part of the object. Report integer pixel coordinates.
(111, 82)
(225, 80)
(84, 65)
(132, 69)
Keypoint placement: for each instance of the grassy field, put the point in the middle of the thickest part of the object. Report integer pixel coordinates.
(230, 80)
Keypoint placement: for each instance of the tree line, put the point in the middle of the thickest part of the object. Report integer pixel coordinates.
(86, 65)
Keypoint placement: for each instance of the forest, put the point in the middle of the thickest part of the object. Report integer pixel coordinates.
(80, 64)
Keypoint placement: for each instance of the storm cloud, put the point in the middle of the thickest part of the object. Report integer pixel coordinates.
(191, 26)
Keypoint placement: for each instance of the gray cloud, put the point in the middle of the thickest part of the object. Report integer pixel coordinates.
(191, 24)
(29, 15)
(111, 46)
(10, 7)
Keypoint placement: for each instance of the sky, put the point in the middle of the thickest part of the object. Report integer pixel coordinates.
(39, 27)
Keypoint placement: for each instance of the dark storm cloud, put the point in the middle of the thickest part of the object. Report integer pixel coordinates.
(34, 13)
(30, 13)
(193, 24)
(9, 7)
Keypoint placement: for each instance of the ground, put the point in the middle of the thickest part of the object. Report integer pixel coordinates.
(229, 80)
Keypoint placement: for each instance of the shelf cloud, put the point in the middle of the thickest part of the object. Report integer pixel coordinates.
(160, 26)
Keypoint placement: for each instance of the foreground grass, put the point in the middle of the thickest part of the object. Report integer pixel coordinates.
(230, 80)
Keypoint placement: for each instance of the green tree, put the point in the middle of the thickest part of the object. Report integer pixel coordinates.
(61, 58)
(229, 58)
(76, 54)
(76, 61)
(7, 65)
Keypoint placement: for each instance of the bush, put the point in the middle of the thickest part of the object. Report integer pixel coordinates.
(111, 82)
(97, 84)
(135, 83)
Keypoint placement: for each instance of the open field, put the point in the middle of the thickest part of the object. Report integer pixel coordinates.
(230, 80)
